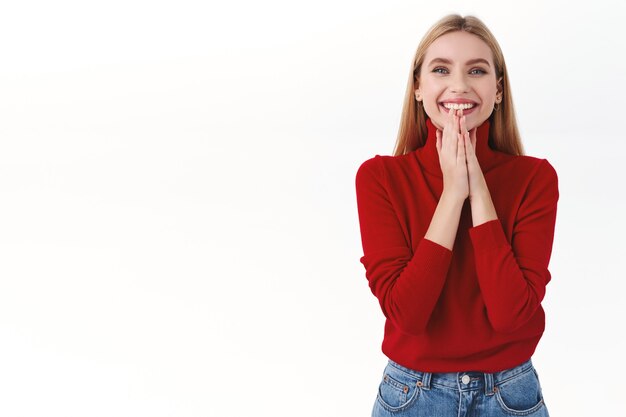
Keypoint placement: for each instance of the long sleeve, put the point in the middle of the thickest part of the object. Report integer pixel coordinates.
(406, 284)
(513, 276)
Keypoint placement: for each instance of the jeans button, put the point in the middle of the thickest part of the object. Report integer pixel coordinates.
(465, 379)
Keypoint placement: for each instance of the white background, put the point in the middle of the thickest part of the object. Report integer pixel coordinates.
(178, 223)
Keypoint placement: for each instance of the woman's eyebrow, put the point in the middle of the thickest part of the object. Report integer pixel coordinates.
(470, 62)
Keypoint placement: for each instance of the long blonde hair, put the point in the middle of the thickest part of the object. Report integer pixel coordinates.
(503, 133)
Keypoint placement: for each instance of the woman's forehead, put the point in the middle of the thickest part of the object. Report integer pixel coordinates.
(458, 47)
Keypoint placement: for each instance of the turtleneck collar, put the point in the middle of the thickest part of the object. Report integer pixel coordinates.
(429, 158)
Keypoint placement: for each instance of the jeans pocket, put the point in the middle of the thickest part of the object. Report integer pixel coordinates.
(521, 395)
(397, 390)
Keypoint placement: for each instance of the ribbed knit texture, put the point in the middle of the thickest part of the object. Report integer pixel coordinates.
(477, 307)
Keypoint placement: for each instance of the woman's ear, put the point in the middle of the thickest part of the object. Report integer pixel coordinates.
(500, 89)
(416, 84)
(418, 95)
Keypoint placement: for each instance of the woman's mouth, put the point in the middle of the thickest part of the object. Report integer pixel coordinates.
(467, 107)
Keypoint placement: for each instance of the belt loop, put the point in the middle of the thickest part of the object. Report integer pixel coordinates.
(426, 380)
(489, 388)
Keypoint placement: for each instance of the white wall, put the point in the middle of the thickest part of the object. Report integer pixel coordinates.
(178, 224)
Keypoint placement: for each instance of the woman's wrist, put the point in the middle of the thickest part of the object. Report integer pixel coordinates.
(482, 207)
(452, 197)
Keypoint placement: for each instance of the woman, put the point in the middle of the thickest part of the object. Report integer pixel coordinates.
(457, 229)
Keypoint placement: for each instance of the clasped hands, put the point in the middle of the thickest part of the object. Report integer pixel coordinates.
(462, 176)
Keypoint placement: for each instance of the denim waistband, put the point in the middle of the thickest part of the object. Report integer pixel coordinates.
(466, 380)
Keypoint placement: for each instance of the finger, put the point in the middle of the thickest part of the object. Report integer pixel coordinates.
(473, 137)
(460, 154)
(438, 143)
(454, 133)
(469, 146)
(466, 136)
(447, 143)
(451, 119)
(463, 126)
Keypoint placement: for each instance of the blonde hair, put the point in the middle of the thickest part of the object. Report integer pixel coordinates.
(503, 133)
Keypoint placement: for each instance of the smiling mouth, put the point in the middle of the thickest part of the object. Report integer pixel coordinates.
(467, 108)
(457, 106)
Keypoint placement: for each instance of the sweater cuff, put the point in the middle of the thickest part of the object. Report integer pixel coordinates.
(488, 235)
(432, 258)
(432, 255)
(434, 249)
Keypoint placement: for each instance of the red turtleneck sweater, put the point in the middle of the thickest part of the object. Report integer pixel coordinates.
(478, 306)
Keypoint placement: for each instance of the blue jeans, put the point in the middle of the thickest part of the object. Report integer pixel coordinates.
(511, 392)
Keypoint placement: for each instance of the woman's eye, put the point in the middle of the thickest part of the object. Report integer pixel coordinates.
(475, 71)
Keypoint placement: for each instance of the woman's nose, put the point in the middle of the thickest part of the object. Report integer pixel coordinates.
(459, 84)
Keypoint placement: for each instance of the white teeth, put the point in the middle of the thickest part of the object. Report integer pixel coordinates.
(457, 106)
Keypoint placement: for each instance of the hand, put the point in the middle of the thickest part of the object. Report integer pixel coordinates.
(451, 149)
(477, 183)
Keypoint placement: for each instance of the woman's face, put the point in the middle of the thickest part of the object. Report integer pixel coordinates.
(458, 67)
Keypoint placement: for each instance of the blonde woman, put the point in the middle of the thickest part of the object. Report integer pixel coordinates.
(457, 229)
